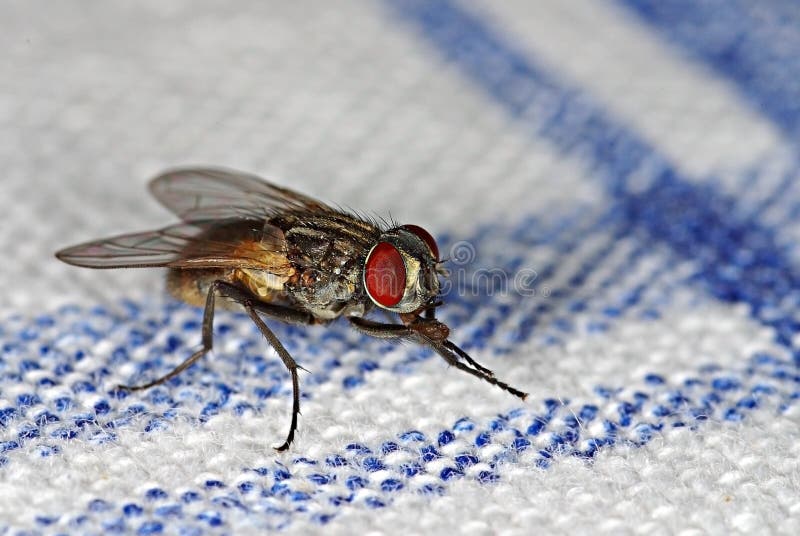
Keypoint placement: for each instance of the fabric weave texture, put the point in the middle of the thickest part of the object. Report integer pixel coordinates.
(614, 183)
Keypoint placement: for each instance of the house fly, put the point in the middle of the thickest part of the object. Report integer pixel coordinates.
(282, 255)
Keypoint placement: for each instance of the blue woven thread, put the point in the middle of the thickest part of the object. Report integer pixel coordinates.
(679, 405)
(706, 395)
(754, 45)
(59, 420)
(161, 404)
(713, 392)
(740, 260)
(738, 41)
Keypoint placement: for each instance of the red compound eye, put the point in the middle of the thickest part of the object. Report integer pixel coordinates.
(426, 237)
(385, 275)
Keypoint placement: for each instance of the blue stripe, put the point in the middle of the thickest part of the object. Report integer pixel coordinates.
(739, 259)
(756, 45)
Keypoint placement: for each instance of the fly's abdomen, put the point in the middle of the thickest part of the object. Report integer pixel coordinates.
(265, 286)
(192, 286)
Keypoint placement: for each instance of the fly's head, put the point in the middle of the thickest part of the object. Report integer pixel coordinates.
(401, 271)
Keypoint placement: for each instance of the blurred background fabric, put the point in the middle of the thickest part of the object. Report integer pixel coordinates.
(630, 168)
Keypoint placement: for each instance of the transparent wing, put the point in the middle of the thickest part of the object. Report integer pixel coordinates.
(204, 194)
(186, 246)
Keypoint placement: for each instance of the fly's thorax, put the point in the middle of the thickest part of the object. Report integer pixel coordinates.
(327, 271)
(325, 294)
(400, 270)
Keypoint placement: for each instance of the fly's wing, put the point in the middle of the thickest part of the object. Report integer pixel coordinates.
(248, 246)
(204, 194)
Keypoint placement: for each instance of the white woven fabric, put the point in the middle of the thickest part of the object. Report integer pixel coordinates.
(632, 167)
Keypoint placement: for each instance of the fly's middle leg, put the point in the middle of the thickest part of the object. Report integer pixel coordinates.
(253, 308)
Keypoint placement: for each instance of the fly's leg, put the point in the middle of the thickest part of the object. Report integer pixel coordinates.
(207, 341)
(290, 364)
(466, 357)
(289, 316)
(253, 307)
(378, 330)
(451, 353)
(392, 331)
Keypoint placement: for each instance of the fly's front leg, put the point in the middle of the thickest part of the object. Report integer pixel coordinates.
(466, 357)
(451, 353)
(378, 330)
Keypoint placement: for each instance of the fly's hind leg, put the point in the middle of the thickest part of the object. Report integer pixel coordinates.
(207, 335)
(253, 307)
